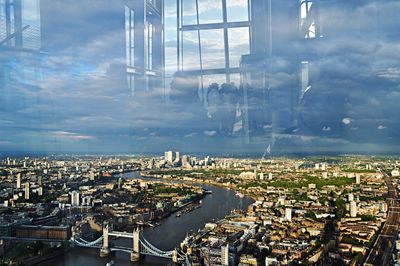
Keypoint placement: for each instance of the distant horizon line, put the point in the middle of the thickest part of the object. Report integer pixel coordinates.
(251, 155)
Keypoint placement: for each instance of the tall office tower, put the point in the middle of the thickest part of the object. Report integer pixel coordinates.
(75, 198)
(19, 180)
(177, 156)
(185, 161)
(40, 181)
(353, 209)
(91, 175)
(152, 163)
(351, 197)
(120, 182)
(288, 214)
(169, 156)
(225, 255)
(40, 191)
(27, 190)
(59, 176)
(358, 179)
(144, 28)
(261, 176)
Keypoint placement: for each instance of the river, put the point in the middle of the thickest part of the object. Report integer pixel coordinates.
(168, 235)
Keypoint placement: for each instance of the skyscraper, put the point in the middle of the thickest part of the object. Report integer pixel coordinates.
(27, 190)
(288, 214)
(169, 156)
(353, 209)
(358, 179)
(75, 198)
(19, 180)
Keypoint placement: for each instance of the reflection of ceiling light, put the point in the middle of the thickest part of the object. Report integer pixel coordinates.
(326, 128)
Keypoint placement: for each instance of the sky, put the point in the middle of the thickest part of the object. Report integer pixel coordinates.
(73, 96)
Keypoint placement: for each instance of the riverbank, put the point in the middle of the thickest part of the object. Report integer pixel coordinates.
(169, 234)
(198, 181)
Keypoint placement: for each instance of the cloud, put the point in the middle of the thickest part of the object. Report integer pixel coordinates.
(210, 133)
(5, 142)
(391, 73)
(71, 136)
(81, 95)
(346, 121)
(190, 135)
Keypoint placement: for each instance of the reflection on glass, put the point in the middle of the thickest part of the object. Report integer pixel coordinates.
(212, 46)
(239, 44)
(236, 10)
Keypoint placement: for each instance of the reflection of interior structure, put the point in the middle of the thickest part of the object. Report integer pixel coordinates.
(262, 27)
(144, 44)
(266, 48)
(223, 31)
(20, 24)
(296, 25)
(20, 42)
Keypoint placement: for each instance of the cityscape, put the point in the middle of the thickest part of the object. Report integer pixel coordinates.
(314, 211)
(199, 132)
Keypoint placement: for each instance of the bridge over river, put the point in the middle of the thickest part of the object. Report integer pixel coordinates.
(140, 246)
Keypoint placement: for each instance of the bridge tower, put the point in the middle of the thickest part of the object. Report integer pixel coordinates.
(135, 255)
(105, 251)
(175, 256)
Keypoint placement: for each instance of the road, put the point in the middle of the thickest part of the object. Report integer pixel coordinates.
(381, 252)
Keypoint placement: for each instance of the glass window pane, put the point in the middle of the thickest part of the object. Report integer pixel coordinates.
(189, 12)
(170, 38)
(2, 20)
(237, 10)
(210, 79)
(235, 79)
(212, 48)
(210, 11)
(31, 17)
(190, 51)
(238, 44)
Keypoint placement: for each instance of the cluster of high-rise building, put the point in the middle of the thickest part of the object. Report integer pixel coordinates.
(175, 159)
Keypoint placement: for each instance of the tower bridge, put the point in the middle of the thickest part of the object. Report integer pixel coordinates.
(140, 246)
